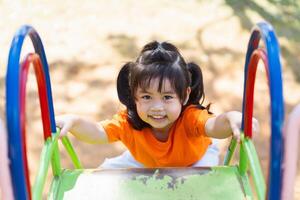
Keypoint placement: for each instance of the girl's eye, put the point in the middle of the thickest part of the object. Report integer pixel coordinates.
(146, 97)
(168, 97)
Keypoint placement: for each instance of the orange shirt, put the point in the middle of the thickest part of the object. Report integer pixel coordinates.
(186, 144)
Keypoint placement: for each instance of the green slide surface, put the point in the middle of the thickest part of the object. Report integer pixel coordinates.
(222, 182)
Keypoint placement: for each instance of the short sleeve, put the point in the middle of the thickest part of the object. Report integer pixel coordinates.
(116, 127)
(194, 121)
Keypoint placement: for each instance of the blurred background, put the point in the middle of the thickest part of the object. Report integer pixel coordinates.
(87, 42)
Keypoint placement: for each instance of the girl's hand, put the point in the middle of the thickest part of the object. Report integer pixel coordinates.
(65, 123)
(235, 121)
(83, 129)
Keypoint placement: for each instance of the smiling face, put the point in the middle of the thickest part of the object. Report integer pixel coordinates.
(160, 109)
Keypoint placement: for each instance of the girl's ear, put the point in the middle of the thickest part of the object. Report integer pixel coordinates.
(188, 92)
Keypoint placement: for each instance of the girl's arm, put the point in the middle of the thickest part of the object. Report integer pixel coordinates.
(226, 125)
(82, 128)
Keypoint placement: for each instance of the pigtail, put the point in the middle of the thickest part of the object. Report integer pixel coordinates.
(125, 97)
(196, 84)
(197, 95)
(123, 88)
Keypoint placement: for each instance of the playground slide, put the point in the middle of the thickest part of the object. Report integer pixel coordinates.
(165, 183)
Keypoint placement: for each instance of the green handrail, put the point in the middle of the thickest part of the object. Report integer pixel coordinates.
(259, 182)
(55, 161)
(45, 158)
(248, 157)
(50, 153)
(68, 146)
(243, 163)
(230, 151)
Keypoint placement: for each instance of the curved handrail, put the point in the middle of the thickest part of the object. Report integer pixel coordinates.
(51, 147)
(291, 136)
(265, 32)
(270, 56)
(257, 54)
(34, 59)
(16, 140)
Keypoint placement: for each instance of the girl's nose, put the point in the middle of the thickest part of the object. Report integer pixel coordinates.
(157, 106)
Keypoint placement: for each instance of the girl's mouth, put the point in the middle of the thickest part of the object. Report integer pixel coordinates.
(157, 117)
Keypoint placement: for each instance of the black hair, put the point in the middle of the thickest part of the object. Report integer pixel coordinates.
(162, 61)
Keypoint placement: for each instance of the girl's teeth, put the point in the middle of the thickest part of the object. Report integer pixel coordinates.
(158, 117)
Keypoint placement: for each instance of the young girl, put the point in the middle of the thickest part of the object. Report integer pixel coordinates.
(165, 123)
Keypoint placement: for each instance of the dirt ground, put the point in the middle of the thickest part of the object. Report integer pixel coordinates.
(86, 43)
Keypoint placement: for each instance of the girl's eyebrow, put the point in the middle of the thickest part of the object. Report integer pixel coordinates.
(143, 90)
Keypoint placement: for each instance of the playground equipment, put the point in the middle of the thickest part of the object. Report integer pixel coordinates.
(221, 182)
